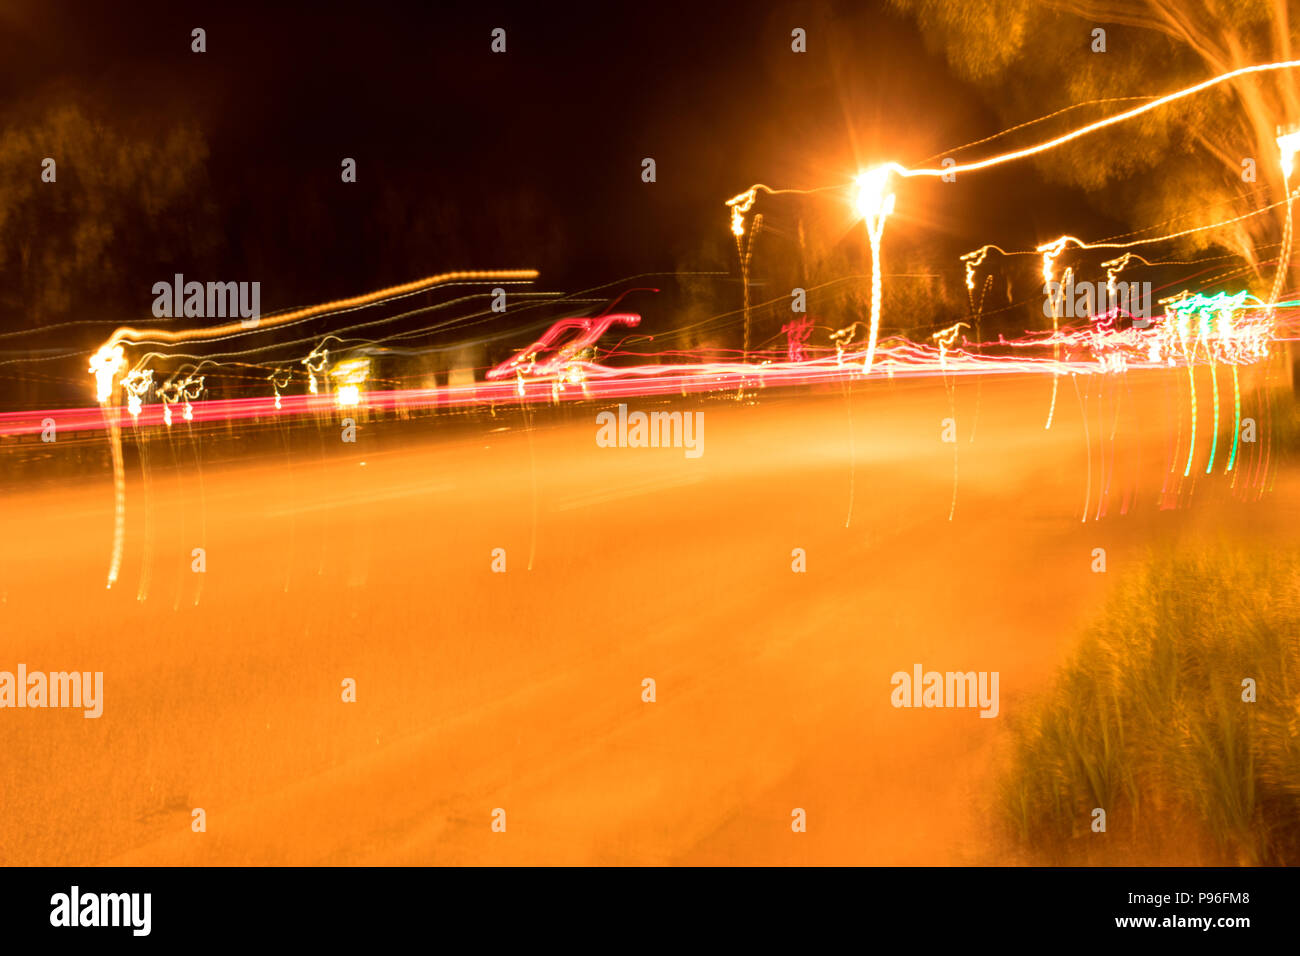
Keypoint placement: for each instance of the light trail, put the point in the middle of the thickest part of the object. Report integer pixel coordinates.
(972, 260)
(1034, 122)
(530, 361)
(109, 360)
(946, 339)
(874, 202)
(1061, 140)
(881, 172)
(1236, 420)
(163, 336)
(1238, 335)
(1051, 251)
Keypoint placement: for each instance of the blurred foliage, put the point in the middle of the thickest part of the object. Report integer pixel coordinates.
(1172, 169)
(68, 246)
(1147, 722)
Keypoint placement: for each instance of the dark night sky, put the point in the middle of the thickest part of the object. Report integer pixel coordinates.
(472, 160)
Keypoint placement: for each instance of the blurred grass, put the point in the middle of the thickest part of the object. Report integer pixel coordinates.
(1147, 722)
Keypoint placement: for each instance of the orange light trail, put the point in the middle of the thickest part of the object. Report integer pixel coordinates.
(128, 334)
(1098, 125)
(109, 360)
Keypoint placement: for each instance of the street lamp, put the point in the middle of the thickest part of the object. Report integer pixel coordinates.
(104, 365)
(741, 204)
(1051, 252)
(873, 202)
(1289, 144)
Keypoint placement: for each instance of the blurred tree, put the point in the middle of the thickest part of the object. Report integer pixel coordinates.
(127, 204)
(1177, 167)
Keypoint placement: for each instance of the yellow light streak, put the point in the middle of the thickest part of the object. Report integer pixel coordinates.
(1099, 124)
(129, 334)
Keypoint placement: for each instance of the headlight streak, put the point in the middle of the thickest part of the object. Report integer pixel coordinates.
(1235, 331)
